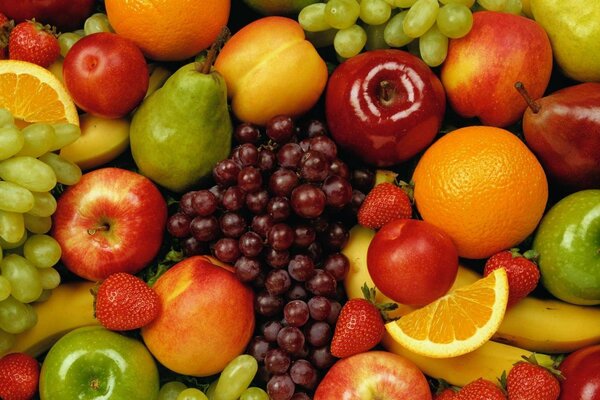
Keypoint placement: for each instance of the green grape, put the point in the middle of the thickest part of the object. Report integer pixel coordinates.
(1, 253)
(254, 393)
(44, 204)
(15, 316)
(404, 3)
(192, 394)
(28, 172)
(46, 293)
(12, 227)
(65, 134)
(420, 17)
(312, 18)
(37, 224)
(170, 390)
(15, 198)
(66, 41)
(235, 377)
(43, 251)
(79, 32)
(6, 118)
(433, 47)
(7, 340)
(11, 141)
(375, 37)
(321, 39)
(492, 5)
(210, 392)
(341, 14)
(393, 34)
(350, 41)
(49, 278)
(468, 3)
(375, 12)
(23, 276)
(39, 139)
(513, 7)
(455, 20)
(97, 23)
(4, 288)
(14, 245)
(66, 172)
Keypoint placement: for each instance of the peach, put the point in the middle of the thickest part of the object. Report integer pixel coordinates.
(271, 69)
(206, 318)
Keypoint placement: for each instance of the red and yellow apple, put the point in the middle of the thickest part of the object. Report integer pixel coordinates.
(66, 15)
(271, 69)
(112, 220)
(206, 318)
(482, 67)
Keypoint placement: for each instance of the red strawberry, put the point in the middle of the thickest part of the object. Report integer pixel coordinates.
(125, 302)
(446, 394)
(521, 270)
(527, 380)
(384, 203)
(31, 41)
(19, 376)
(360, 325)
(480, 389)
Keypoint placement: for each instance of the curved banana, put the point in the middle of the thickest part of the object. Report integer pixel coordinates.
(70, 306)
(158, 76)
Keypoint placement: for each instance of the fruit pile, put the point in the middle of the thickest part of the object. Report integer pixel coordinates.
(287, 200)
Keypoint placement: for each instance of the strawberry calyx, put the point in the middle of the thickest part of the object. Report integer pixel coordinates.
(5, 29)
(407, 187)
(44, 28)
(442, 385)
(549, 366)
(530, 254)
(369, 295)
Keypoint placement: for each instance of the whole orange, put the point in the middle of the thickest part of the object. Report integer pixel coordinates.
(483, 187)
(169, 30)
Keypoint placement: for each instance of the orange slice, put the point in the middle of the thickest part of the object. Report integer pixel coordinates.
(33, 94)
(456, 323)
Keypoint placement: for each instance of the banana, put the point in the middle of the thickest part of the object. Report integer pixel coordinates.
(158, 76)
(70, 306)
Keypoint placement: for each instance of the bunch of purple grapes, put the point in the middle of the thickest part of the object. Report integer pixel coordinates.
(280, 213)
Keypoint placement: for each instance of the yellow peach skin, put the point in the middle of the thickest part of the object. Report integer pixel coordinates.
(271, 69)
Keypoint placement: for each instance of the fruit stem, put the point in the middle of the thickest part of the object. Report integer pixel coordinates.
(92, 231)
(386, 92)
(214, 49)
(535, 107)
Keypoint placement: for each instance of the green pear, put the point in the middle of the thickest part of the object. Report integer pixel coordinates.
(183, 129)
(573, 27)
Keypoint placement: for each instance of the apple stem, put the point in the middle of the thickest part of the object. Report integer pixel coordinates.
(214, 49)
(92, 231)
(386, 92)
(535, 107)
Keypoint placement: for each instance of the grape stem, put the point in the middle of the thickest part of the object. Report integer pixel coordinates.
(535, 107)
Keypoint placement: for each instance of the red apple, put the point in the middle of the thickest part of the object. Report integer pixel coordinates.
(106, 74)
(373, 375)
(384, 106)
(581, 370)
(66, 15)
(412, 262)
(112, 220)
(482, 67)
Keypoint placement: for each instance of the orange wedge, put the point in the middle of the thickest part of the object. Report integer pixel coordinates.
(456, 323)
(33, 94)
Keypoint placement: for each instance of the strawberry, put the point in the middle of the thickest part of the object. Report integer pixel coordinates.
(480, 389)
(384, 203)
(19, 376)
(360, 325)
(446, 394)
(33, 42)
(527, 380)
(125, 302)
(521, 270)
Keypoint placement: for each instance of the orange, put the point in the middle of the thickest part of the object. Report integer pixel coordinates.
(483, 187)
(169, 30)
(456, 323)
(33, 94)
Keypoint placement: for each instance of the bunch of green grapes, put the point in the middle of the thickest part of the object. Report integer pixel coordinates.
(95, 23)
(423, 25)
(29, 170)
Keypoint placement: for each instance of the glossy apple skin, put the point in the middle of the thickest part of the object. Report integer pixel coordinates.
(112, 220)
(206, 318)
(271, 69)
(568, 243)
(373, 375)
(412, 262)
(66, 15)
(106, 74)
(581, 370)
(93, 362)
(565, 135)
(482, 67)
(384, 131)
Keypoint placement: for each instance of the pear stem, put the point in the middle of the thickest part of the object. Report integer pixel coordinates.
(214, 49)
(535, 107)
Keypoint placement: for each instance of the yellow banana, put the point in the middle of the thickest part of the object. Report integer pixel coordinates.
(158, 76)
(70, 306)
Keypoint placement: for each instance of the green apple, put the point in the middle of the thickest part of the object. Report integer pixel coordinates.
(279, 7)
(95, 363)
(568, 241)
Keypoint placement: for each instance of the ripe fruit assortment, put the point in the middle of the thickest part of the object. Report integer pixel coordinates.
(248, 245)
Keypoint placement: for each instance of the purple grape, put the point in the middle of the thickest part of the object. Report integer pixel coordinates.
(232, 224)
(250, 244)
(308, 201)
(204, 202)
(281, 236)
(296, 313)
(318, 334)
(268, 305)
(339, 168)
(334, 313)
(322, 283)
(278, 282)
(271, 329)
(314, 166)
(290, 339)
(325, 146)
(245, 155)
(262, 224)
(303, 373)
(363, 179)
(225, 173)
(337, 264)
(192, 246)
(280, 128)
(279, 208)
(256, 202)
(336, 236)
(249, 179)
(277, 361)
(301, 267)
(289, 155)
(300, 396)
(282, 182)
(321, 357)
(277, 258)
(296, 292)
(258, 348)
(233, 198)
(205, 229)
(267, 160)
(304, 235)
(338, 191)
(226, 250)
(319, 308)
(314, 128)
(178, 225)
(186, 204)
(247, 269)
(246, 133)
(280, 387)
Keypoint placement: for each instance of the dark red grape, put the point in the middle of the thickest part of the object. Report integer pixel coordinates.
(249, 179)
(217, 191)
(178, 225)
(232, 224)
(337, 264)
(279, 208)
(233, 198)
(321, 357)
(258, 348)
(225, 172)
(314, 128)
(227, 250)
(281, 236)
(267, 160)
(314, 166)
(315, 251)
(296, 292)
(305, 145)
(304, 235)
(325, 146)
(268, 305)
(256, 202)
(296, 313)
(336, 306)
(277, 361)
(363, 179)
(246, 133)
(245, 155)
(290, 339)
(205, 229)
(192, 246)
(204, 202)
(280, 387)
(357, 199)
(250, 244)
(282, 182)
(318, 334)
(277, 258)
(319, 308)
(186, 204)
(322, 283)
(262, 224)
(280, 128)
(339, 168)
(301, 267)
(278, 282)
(308, 201)
(247, 269)
(289, 155)
(336, 236)
(338, 191)
(303, 373)
(300, 396)
(271, 329)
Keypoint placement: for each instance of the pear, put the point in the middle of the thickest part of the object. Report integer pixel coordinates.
(183, 129)
(573, 27)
